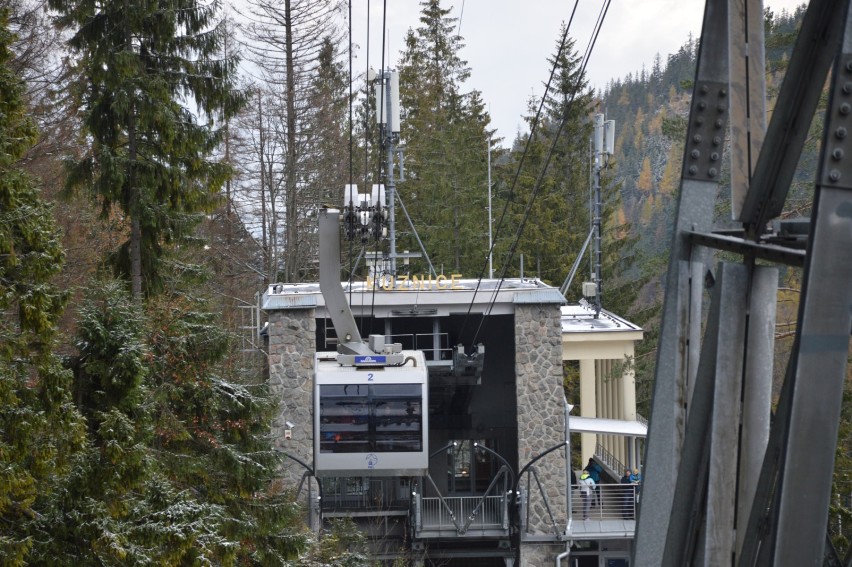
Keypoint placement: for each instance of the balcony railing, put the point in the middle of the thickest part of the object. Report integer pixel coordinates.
(435, 346)
(459, 516)
(607, 502)
(462, 514)
(615, 466)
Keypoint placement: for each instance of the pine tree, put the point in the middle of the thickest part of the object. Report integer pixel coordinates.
(549, 200)
(40, 432)
(139, 64)
(117, 507)
(211, 427)
(446, 134)
(327, 156)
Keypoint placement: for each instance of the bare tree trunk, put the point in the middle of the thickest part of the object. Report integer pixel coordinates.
(273, 228)
(263, 218)
(292, 249)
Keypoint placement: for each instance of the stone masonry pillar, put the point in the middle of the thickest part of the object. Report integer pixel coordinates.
(292, 344)
(541, 424)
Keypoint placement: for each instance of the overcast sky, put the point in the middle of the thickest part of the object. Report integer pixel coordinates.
(507, 42)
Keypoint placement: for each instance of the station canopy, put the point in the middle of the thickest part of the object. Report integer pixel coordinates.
(578, 424)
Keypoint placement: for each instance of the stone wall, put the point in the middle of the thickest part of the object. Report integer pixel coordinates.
(292, 344)
(541, 554)
(541, 415)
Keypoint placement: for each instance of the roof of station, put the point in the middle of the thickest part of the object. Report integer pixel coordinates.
(580, 318)
(419, 296)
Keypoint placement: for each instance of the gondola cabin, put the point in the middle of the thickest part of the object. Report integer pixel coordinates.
(371, 420)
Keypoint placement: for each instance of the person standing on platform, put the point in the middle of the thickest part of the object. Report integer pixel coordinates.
(628, 490)
(587, 487)
(636, 479)
(595, 470)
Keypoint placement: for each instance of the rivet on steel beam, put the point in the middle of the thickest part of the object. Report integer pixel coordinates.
(697, 138)
(693, 169)
(714, 156)
(705, 89)
(719, 123)
(720, 108)
(723, 92)
(717, 140)
(702, 105)
(840, 133)
(837, 153)
(845, 108)
(834, 175)
(695, 154)
(849, 65)
(847, 88)
(699, 120)
(711, 172)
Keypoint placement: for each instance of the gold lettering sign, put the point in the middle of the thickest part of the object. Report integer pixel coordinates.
(417, 282)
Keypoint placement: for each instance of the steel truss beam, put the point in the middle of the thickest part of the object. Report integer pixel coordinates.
(788, 522)
(677, 354)
(699, 408)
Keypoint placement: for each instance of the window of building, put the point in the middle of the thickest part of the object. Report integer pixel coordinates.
(360, 418)
(470, 470)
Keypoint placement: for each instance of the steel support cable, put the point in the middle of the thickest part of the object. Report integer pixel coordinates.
(537, 186)
(533, 128)
(353, 264)
(351, 140)
(366, 104)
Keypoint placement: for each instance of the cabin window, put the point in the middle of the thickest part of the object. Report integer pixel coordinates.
(382, 418)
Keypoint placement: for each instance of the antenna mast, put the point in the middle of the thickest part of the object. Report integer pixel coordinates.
(387, 115)
(604, 147)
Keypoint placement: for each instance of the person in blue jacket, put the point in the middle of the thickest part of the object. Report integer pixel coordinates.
(595, 470)
(628, 493)
(636, 478)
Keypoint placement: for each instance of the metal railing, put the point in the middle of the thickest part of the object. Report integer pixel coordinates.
(435, 346)
(464, 513)
(461, 514)
(606, 502)
(360, 493)
(615, 466)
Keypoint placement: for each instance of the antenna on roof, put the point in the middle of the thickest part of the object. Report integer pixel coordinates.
(387, 115)
(604, 139)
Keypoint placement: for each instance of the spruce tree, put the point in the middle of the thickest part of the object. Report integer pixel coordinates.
(118, 506)
(40, 432)
(289, 42)
(211, 427)
(446, 136)
(546, 182)
(327, 163)
(178, 467)
(139, 66)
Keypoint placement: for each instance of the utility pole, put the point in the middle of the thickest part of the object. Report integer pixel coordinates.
(490, 242)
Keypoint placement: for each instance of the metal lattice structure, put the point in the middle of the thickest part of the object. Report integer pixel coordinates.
(725, 481)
